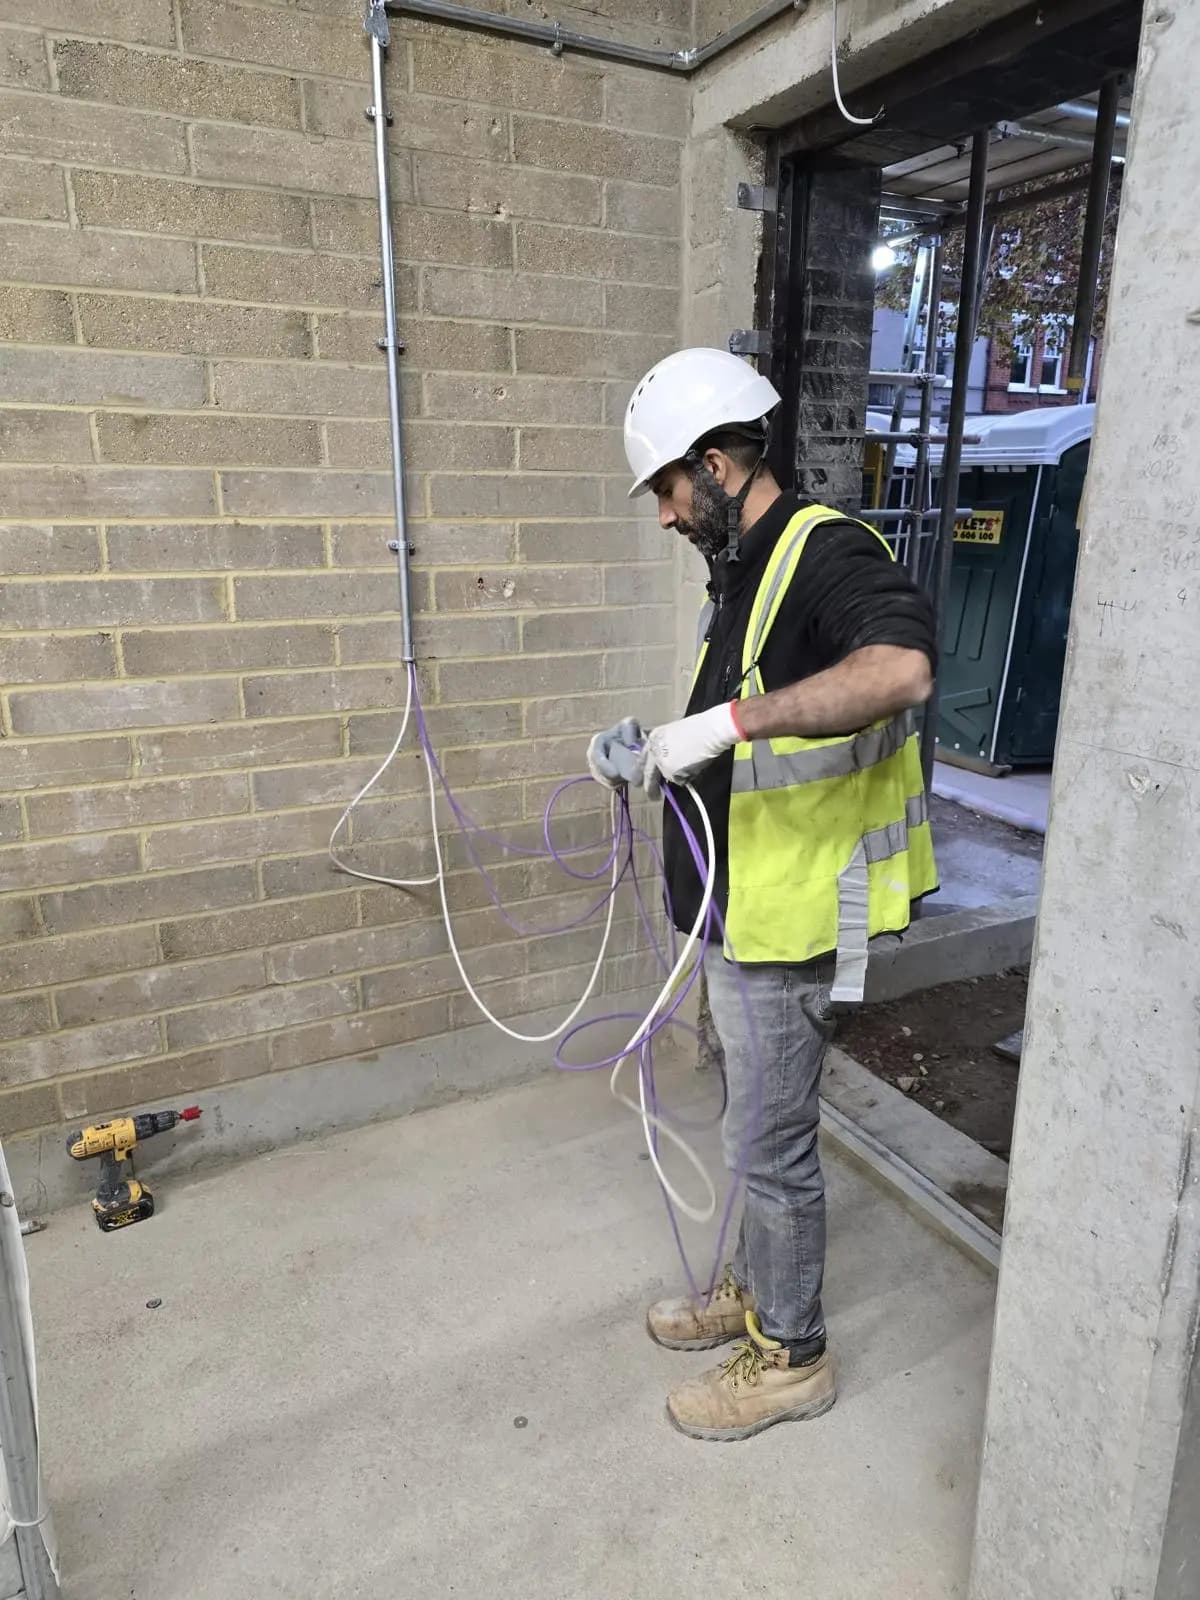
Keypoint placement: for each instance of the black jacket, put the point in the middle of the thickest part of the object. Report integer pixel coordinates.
(845, 594)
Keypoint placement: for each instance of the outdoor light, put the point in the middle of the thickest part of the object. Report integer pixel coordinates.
(883, 257)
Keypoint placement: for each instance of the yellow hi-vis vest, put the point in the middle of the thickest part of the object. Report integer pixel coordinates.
(829, 839)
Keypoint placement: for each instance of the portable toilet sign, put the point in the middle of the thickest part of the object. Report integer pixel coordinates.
(1004, 635)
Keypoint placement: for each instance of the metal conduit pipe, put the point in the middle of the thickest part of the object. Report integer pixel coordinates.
(1093, 240)
(560, 39)
(1084, 111)
(377, 27)
(1039, 135)
(964, 344)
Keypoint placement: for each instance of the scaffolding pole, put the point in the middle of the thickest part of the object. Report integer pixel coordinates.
(964, 344)
(1093, 239)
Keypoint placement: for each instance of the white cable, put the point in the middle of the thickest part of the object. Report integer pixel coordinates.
(859, 122)
(342, 866)
(650, 1120)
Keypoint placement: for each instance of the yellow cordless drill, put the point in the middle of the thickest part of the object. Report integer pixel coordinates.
(121, 1199)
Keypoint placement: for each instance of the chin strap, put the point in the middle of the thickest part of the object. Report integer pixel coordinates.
(734, 503)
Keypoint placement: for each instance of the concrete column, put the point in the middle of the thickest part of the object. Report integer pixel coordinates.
(828, 305)
(1092, 1447)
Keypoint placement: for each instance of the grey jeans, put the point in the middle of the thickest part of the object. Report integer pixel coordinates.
(774, 1029)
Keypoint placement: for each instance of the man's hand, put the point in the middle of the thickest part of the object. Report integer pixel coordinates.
(612, 759)
(677, 751)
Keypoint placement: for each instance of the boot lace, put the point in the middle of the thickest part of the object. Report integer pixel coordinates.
(745, 1365)
(728, 1288)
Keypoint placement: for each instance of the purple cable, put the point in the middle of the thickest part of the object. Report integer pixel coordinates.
(625, 836)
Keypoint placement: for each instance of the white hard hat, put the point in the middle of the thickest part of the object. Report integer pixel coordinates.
(685, 397)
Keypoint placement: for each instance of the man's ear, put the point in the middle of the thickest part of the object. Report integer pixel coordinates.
(718, 464)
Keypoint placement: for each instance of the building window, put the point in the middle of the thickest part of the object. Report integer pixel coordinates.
(1050, 377)
(1021, 370)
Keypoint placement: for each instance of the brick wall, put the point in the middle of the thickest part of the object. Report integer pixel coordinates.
(999, 397)
(198, 639)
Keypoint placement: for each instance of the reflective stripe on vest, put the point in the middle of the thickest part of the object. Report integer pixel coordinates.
(784, 908)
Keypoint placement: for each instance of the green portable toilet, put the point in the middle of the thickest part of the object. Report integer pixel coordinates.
(1004, 637)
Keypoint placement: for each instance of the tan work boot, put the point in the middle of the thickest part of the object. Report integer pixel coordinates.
(684, 1325)
(752, 1390)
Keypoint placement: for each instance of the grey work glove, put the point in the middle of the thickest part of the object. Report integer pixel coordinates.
(612, 759)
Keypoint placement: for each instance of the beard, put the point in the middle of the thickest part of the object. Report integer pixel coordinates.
(707, 529)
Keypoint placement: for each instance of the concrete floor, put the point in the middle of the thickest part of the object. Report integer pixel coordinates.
(410, 1359)
(981, 860)
(1020, 798)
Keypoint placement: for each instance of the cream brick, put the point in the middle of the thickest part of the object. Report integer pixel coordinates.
(159, 989)
(44, 436)
(56, 658)
(212, 547)
(613, 257)
(301, 389)
(335, 782)
(89, 377)
(53, 128)
(517, 589)
(595, 355)
(499, 74)
(123, 705)
(34, 316)
(501, 190)
(311, 165)
(523, 677)
(570, 147)
(168, 1078)
(146, 21)
(592, 541)
(237, 839)
(439, 976)
(514, 494)
(11, 828)
(449, 726)
(90, 259)
(35, 866)
(118, 76)
(259, 1013)
(633, 669)
(242, 744)
(33, 766)
(295, 694)
(651, 583)
(193, 210)
(191, 650)
(18, 919)
(209, 441)
(146, 899)
(23, 59)
(642, 208)
(355, 1035)
(514, 400)
(572, 450)
(428, 446)
(296, 278)
(576, 630)
(440, 544)
(34, 548)
(359, 950)
(136, 805)
(430, 345)
(258, 926)
(294, 40)
(582, 714)
(192, 327)
(525, 996)
(35, 1059)
(35, 963)
(436, 637)
(29, 189)
(24, 1109)
(333, 594)
(471, 241)
(420, 122)
(306, 494)
(109, 602)
(512, 297)
(634, 101)
(642, 310)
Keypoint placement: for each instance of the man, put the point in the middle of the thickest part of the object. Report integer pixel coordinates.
(798, 739)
